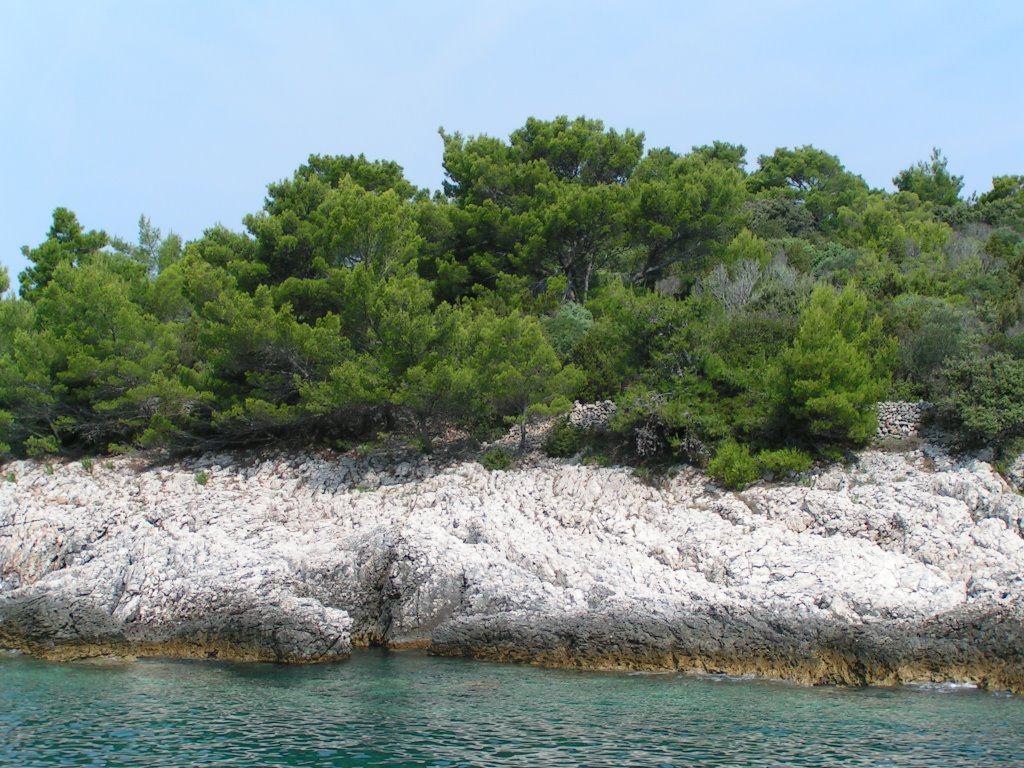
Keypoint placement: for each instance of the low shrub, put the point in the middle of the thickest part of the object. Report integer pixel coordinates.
(597, 459)
(734, 466)
(982, 398)
(1010, 454)
(785, 461)
(41, 446)
(563, 440)
(496, 459)
(654, 475)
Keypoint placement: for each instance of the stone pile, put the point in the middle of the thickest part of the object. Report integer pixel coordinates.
(592, 416)
(900, 418)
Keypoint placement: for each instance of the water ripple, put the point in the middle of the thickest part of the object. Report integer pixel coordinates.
(411, 710)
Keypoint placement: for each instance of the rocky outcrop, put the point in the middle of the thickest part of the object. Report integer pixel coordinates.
(1015, 473)
(899, 567)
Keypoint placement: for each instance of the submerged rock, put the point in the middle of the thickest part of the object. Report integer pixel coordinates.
(901, 567)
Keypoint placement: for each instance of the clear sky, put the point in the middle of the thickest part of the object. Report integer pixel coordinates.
(185, 110)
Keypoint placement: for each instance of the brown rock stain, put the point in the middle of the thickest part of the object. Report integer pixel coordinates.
(825, 667)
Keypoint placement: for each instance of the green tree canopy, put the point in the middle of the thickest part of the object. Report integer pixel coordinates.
(579, 231)
(836, 370)
(549, 202)
(809, 175)
(371, 175)
(560, 260)
(982, 397)
(324, 217)
(680, 207)
(1003, 205)
(578, 150)
(931, 180)
(151, 251)
(519, 372)
(67, 242)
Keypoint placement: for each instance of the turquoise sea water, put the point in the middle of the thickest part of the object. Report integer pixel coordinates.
(406, 709)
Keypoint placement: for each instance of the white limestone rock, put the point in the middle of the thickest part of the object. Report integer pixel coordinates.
(899, 566)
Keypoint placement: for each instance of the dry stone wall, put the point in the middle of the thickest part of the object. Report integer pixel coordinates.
(592, 416)
(895, 418)
(900, 418)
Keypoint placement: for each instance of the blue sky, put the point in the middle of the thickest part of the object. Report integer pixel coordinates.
(184, 111)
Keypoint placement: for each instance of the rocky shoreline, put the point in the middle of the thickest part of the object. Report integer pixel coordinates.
(899, 567)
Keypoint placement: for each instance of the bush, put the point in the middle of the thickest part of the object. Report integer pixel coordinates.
(784, 461)
(597, 459)
(836, 370)
(734, 466)
(563, 440)
(982, 398)
(201, 478)
(1010, 454)
(496, 458)
(568, 327)
(6, 422)
(929, 330)
(41, 446)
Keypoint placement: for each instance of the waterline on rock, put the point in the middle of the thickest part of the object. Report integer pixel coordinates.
(401, 709)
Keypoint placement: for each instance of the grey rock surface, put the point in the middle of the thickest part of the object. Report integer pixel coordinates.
(1016, 474)
(899, 567)
(592, 416)
(900, 418)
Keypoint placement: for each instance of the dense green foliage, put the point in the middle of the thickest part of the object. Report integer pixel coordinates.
(983, 396)
(497, 459)
(563, 439)
(835, 370)
(750, 319)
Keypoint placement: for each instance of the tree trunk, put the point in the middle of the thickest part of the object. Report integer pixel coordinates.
(426, 442)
